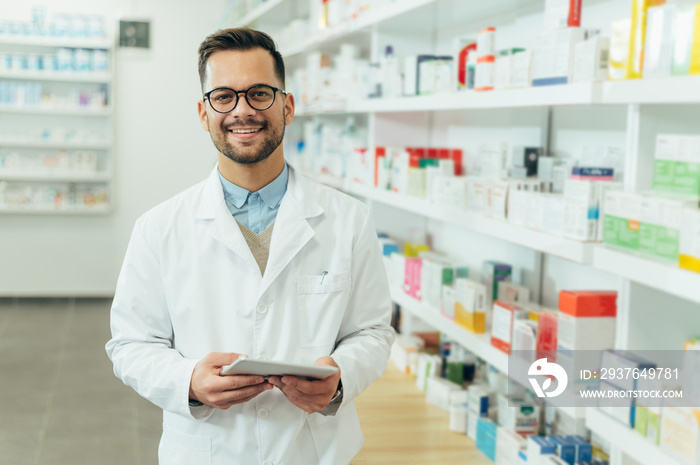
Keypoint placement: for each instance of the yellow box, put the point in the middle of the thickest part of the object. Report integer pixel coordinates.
(635, 58)
(695, 48)
(470, 305)
(411, 249)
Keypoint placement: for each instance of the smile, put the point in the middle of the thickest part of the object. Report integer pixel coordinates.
(245, 131)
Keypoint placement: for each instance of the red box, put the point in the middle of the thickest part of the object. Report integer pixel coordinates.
(378, 153)
(456, 155)
(588, 303)
(432, 153)
(504, 313)
(547, 334)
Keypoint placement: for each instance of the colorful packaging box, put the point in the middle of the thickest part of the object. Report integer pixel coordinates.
(504, 314)
(677, 164)
(683, 40)
(470, 305)
(493, 272)
(586, 320)
(689, 247)
(486, 431)
(660, 227)
(560, 14)
(623, 212)
(658, 45)
(635, 57)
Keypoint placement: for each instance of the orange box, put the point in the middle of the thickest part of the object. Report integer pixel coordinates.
(504, 313)
(588, 303)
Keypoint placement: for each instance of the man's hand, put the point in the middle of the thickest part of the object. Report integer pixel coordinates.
(208, 387)
(310, 396)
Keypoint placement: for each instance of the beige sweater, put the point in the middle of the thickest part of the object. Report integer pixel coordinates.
(259, 244)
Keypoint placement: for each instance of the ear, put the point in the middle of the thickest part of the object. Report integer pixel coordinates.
(202, 111)
(288, 109)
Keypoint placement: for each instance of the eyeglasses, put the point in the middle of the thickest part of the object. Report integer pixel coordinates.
(260, 97)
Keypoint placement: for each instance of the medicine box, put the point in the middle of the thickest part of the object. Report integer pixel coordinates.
(680, 432)
(621, 223)
(683, 40)
(412, 72)
(504, 314)
(527, 158)
(470, 305)
(397, 277)
(478, 398)
(508, 445)
(584, 450)
(449, 299)
(412, 278)
(438, 392)
(619, 48)
(512, 292)
(525, 336)
(581, 209)
(493, 160)
(689, 247)
(592, 174)
(617, 404)
(624, 359)
(565, 449)
(547, 332)
(537, 448)
(553, 56)
(521, 70)
(561, 14)
(486, 431)
(518, 414)
(428, 366)
(591, 59)
(499, 199)
(677, 164)
(586, 320)
(493, 272)
(635, 55)
(660, 227)
(658, 44)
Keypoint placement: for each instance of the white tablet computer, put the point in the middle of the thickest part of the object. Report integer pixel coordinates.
(251, 366)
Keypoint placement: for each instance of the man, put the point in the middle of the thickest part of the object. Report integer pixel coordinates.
(254, 261)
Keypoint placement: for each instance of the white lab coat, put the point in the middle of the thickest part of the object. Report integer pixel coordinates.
(189, 285)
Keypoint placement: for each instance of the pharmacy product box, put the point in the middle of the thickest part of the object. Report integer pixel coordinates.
(537, 447)
(438, 392)
(504, 314)
(525, 335)
(547, 328)
(553, 220)
(584, 450)
(653, 420)
(463, 48)
(485, 73)
(470, 305)
(677, 164)
(458, 418)
(566, 450)
(680, 433)
(535, 211)
(581, 209)
(411, 284)
(635, 54)
(512, 292)
(521, 70)
(388, 246)
(449, 299)
(428, 366)
(517, 206)
(499, 199)
(493, 160)
(614, 408)
(683, 40)
(518, 414)
(560, 14)
(658, 44)
(478, 398)
(416, 183)
(404, 351)
(526, 157)
(624, 359)
(434, 75)
(621, 223)
(603, 189)
(586, 320)
(476, 193)
(554, 55)
(486, 431)
(689, 247)
(522, 456)
(592, 174)
(451, 191)
(660, 227)
(493, 272)
(412, 72)
(504, 67)
(412, 249)
(620, 31)
(591, 59)
(508, 444)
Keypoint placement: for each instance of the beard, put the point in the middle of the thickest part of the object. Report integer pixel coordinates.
(248, 155)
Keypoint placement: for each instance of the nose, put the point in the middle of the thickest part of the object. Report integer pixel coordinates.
(242, 108)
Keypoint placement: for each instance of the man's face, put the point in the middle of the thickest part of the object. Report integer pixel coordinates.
(231, 132)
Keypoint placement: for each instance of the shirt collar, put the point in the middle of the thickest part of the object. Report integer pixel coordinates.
(271, 194)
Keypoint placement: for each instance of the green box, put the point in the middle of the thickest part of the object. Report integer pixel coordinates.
(621, 221)
(659, 227)
(677, 164)
(641, 419)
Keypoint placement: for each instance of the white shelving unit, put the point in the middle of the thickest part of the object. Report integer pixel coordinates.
(409, 22)
(96, 120)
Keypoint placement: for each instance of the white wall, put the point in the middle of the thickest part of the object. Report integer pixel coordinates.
(160, 150)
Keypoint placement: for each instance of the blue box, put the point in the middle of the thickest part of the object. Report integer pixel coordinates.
(566, 450)
(486, 431)
(584, 451)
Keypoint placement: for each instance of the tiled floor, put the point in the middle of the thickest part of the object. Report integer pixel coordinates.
(60, 402)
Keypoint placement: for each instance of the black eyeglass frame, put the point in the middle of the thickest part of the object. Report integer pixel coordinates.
(245, 93)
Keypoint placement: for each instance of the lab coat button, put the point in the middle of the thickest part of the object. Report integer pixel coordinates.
(263, 413)
(262, 309)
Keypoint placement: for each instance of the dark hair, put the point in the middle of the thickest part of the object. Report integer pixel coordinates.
(238, 38)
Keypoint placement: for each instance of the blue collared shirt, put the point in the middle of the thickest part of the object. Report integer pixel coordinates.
(256, 210)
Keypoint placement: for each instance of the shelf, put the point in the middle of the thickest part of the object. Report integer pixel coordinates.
(49, 211)
(576, 251)
(56, 111)
(627, 440)
(260, 11)
(666, 277)
(672, 90)
(56, 145)
(51, 41)
(68, 76)
(479, 344)
(84, 178)
(361, 24)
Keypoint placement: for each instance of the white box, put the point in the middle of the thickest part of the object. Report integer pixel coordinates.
(449, 299)
(493, 160)
(438, 392)
(580, 209)
(585, 332)
(512, 292)
(521, 69)
(429, 366)
(591, 60)
(525, 335)
(560, 14)
(508, 445)
(680, 432)
(554, 214)
(499, 199)
(553, 56)
(518, 414)
(476, 193)
(659, 43)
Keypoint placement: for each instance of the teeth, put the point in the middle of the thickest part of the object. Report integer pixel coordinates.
(244, 131)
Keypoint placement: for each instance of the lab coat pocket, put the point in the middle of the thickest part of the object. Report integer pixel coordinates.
(178, 448)
(321, 300)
